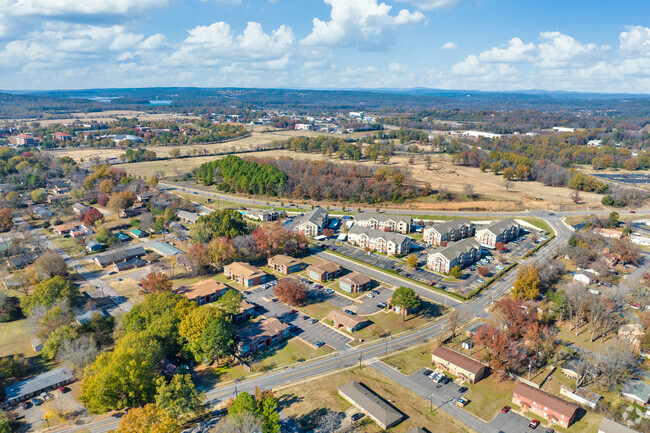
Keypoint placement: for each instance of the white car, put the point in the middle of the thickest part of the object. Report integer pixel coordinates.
(369, 295)
(433, 375)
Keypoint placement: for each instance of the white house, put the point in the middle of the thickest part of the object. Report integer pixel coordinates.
(461, 253)
(449, 231)
(313, 223)
(500, 231)
(393, 223)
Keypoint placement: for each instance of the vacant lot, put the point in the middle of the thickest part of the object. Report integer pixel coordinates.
(305, 402)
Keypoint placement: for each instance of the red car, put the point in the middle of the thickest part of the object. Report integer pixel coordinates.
(533, 424)
(293, 311)
(505, 409)
(432, 283)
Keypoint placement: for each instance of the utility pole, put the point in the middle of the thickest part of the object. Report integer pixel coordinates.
(360, 357)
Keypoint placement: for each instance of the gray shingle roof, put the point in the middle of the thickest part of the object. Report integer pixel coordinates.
(383, 217)
(501, 226)
(450, 225)
(375, 234)
(371, 403)
(38, 383)
(317, 216)
(457, 248)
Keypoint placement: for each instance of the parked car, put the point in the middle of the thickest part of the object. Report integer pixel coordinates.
(26, 405)
(36, 401)
(549, 430)
(313, 321)
(293, 311)
(356, 416)
(320, 344)
(433, 374)
(350, 312)
(505, 409)
(442, 287)
(305, 317)
(376, 292)
(462, 389)
(462, 402)
(369, 295)
(426, 372)
(431, 283)
(533, 424)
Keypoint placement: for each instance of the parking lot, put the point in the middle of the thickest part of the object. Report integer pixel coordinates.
(312, 333)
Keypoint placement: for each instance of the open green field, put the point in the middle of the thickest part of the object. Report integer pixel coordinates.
(68, 245)
(540, 224)
(14, 338)
(291, 351)
(410, 361)
(318, 310)
(488, 396)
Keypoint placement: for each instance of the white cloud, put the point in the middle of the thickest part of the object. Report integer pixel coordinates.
(396, 67)
(557, 50)
(450, 46)
(55, 8)
(636, 40)
(516, 51)
(432, 4)
(356, 21)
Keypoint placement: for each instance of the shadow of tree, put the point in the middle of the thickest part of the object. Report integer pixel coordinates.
(285, 401)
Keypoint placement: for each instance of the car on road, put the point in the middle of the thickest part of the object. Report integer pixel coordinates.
(462, 389)
(632, 211)
(505, 409)
(320, 344)
(533, 424)
(356, 417)
(313, 321)
(442, 287)
(369, 295)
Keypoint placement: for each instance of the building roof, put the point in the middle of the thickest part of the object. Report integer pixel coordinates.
(257, 330)
(455, 249)
(66, 227)
(371, 403)
(538, 396)
(571, 365)
(244, 270)
(114, 255)
(610, 426)
(188, 216)
(259, 213)
(383, 217)
(133, 261)
(501, 226)
(417, 430)
(378, 234)
(450, 225)
(201, 288)
(316, 216)
(164, 249)
(136, 232)
(325, 267)
(637, 388)
(38, 383)
(356, 279)
(284, 260)
(345, 319)
(88, 315)
(245, 305)
(458, 359)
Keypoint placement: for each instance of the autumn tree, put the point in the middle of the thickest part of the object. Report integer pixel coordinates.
(121, 200)
(6, 220)
(483, 271)
(406, 299)
(501, 247)
(179, 397)
(92, 216)
(106, 186)
(456, 272)
(291, 291)
(412, 261)
(48, 292)
(50, 264)
(149, 419)
(575, 196)
(156, 282)
(39, 196)
(328, 232)
(627, 251)
(527, 284)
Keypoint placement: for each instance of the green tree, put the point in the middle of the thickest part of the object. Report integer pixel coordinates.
(406, 299)
(231, 301)
(269, 410)
(39, 195)
(612, 219)
(227, 222)
(48, 292)
(179, 396)
(456, 272)
(159, 225)
(244, 402)
(5, 427)
(527, 284)
(495, 167)
(193, 325)
(148, 419)
(508, 173)
(218, 339)
(412, 261)
(55, 339)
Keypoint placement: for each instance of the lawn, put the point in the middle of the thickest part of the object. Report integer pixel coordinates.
(130, 289)
(540, 224)
(488, 396)
(15, 338)
(91, 266)
(68, 245)
(305, 402)
(319, 310)
(289, 352)
(410, 361)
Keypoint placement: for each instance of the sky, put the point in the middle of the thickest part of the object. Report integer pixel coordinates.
(570, 45)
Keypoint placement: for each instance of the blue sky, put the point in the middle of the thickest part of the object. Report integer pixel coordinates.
(577, 45)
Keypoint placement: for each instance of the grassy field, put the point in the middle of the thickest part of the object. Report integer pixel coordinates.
(129, 288)
(14, 338)
(289, 352)
(540, 224)
(319, 310)
(488, 396)
(410, 361)
(305, 402)
(68, 245)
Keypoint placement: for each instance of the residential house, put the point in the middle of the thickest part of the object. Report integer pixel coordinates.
(417, 430)
(132, 263)
(376, 240)
(549, 407)
(324, 271)
(22, 140)
(584, 278)
(61, 136)
(262, 214)
(33, 387)
(313, 223)
(257, 336)
(449, 231)
(609, 233)
(378, 409)
(138, 234)
(354, 282)
(188, 217)
(42, 212)
(393, 223)
(581, 395)
(132, 212)
(164, 249)
(93, 247)
(636, 391)
(500, 231)
(244, 274)
(122, 237)
(350, 323)
(610, 426)
(461, 253)
(66, 228)
(87, 316)
(246, 310)
(203, 292)
(57, 198)
(571, 368)
(79, 210)
(118, 255)
(458, 364)
(285, 264)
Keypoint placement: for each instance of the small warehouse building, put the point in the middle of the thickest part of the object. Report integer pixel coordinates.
(545, 405)
(458, 364)
(378, 409)
(29, 388)
(355, 283)
(350, 323)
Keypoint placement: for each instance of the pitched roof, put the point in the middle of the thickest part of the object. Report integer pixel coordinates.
(257, 330)
(538, 396)
(316, 216)
(284, 260)
(201, 288)
(417, 430)
(370, 402)
(188, 216)
(458, 359)
(38, 383)
(383, 217)
(501, 226)
(450, 225)
(637, 388)
(378, 234)
(324, 267)
(455, 249)
(165, 249)
(355, 278)
(244, 270)
(345, 319)
(66, 226)
(610, 426)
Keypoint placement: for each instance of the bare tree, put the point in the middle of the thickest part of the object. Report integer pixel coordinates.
(507, 184)
(453, 319)
(244, 422)
(50, 264)
(615, 363)
(575, 196)
(575, 296)
(597, 309)
(328, 422)
(78, 353)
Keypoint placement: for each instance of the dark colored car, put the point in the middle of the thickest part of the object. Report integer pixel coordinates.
(26, 405)
(320, 344)
(427, 372)
(462, 389)
(505, 409)
(293, 311)
(533, 424)
(313, 321)
(356, 416)
(36, 402)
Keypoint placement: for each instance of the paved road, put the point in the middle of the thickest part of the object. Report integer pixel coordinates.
(354, 356)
